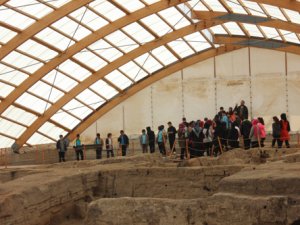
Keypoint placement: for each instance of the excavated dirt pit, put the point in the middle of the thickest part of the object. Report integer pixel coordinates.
(239, 187)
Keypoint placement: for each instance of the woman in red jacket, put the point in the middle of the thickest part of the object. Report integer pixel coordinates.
(285, 129)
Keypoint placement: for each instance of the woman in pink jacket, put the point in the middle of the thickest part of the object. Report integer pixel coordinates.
(262, 129)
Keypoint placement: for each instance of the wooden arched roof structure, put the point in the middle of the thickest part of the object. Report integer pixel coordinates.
(64, 64)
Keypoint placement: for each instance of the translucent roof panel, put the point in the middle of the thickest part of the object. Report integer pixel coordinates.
(138, 32)
(149, 63)
(235, 6)
(253, 30)
(6, 34)
(60, 80)
(290, 37)
(90, 59)
(19, 115)
(254, 8)
(215, 5)
(107, 9)
(65, 119)
(274, 12)
(14, 18)
(164, 55)
(197, 41)
(37, 50)
(104, 89)
(131, 5)
(5, 89)
(10, 128)
(55, 39)
(122, 41)
(106, 50)
(90, 98)
(157, 25)
(32, 7)
(32, 102)
(71, 28)
(118, 79)
(181, 48)
(174, 18)
(51, 130)
(74, 70)
(132, 70)
(58, 3)
(23, 62)
(37, 138)
(5, 141)
(46, 91)
(90, 19)
(77, 109)
(271, 32)
(293, 15)
(234, 28)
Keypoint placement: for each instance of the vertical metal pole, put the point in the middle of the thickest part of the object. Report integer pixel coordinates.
(216, 89)
(151, 105)
(123, 117)
(286, 85)
(182, 94)
(250, 82)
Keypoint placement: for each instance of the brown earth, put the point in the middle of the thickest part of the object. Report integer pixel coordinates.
(239, 187)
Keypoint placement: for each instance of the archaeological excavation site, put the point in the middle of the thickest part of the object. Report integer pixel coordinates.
(237, 188)
(149, 112)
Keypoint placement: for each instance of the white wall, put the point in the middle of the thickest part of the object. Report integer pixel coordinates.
(269, 82)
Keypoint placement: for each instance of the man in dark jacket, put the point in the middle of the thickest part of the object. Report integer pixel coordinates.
(123, 142)
(172, 136)
(242, 110)
(151, 137)
(61, 146)
(245, 132)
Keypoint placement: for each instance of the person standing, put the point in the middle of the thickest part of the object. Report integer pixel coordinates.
(245, 132)
(285, 129)
(61, 146)
(78, 148)
(109, 146)
(242, 110)
(234, 134)
(123, 142)
(144, 141)
(182, 139)
(255, 134)
(208, 137)
(261, 126)
(161, 140)
(276, 131)
(151, 138)
(172, 136)
(99, 147)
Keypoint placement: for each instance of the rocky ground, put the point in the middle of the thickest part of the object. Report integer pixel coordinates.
(237, 188)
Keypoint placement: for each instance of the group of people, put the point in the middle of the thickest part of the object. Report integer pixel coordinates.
(196, 138)
(209, 137)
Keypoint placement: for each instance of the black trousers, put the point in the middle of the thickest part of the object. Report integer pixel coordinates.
(124, 150)
(110, 153)
(152, 147)
(172, 141)
(98, 153)
(61, 156)
(274, 142)
(287, 144)
(79, 152)
(182, 153)
(208, 147)
(162, 148)
(247, 142)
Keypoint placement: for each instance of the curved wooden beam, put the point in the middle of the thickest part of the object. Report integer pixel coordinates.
(256, 20)
(2, 2)
(106, 70)
(40, 25)
(258, 43)
(85, 42)
(287, 4)
(147, 82)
